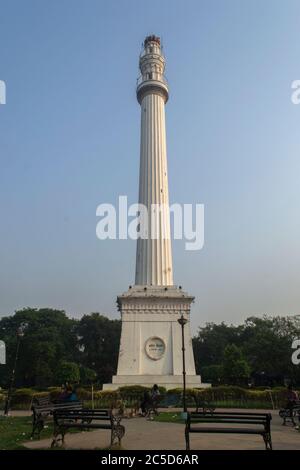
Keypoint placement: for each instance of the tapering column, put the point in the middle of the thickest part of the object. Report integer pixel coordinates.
(154, 255)
(151, 338)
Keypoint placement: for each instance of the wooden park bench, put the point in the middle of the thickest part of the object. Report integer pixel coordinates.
(229, 423)
(289, 414)
(66, 419)
(43, 408)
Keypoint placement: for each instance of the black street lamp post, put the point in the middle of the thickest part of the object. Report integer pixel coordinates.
(182, 322)
(20, 334)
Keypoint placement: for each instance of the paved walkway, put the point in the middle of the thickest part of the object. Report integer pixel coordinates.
(18, 413)
(150, 435)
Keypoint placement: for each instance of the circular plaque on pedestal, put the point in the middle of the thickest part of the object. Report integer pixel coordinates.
(155, 348)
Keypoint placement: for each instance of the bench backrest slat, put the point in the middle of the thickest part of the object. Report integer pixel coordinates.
(219, 421)
(229, 413)
(83, 414)
(51, 407)
(194, 415)
(40, 401)
(88, 411)
(219, 417)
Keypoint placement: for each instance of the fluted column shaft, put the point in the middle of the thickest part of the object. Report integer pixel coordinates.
(154, 255)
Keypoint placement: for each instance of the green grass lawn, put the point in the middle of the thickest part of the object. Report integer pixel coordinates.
(16, 430)
(169, 417)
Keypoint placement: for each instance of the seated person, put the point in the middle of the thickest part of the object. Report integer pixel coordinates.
(63, 394)
(73, 396)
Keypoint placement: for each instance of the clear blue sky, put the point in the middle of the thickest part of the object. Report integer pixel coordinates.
(69, 140)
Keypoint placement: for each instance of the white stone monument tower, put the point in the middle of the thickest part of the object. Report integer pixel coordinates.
(150, 349)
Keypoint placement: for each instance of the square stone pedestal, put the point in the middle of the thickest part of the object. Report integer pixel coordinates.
(151, 342)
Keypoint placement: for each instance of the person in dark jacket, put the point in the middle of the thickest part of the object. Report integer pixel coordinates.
(145, 402)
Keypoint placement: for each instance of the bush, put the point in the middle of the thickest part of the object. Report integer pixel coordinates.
(226, 395)
(54, 392)
(24, 396)
(224, 392)
(106, 394)
(243, 396)
(132, 390)
(87, 375)
(83, 393)
(137, 391)
(213, 374)
(131, 396)
(67, 372)
(179, 391)
(106, 398)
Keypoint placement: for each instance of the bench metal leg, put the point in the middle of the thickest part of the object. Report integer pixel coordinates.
(58, 437)
(117, 432)
(268, 441)
(288, 415)
(37, 427)
(187, 439)
(284, 421)
(151, 412)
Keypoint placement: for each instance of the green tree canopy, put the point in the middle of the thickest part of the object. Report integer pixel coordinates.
(67, 372)
(264, 343)
(49, 338)
(235, 367)
(99, 340)
(87, 375)
(222, 352)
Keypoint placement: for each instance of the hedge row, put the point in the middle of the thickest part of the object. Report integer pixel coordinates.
(133, 394)
(275, 397)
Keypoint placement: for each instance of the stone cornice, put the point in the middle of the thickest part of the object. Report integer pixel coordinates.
(152, 86)
(155, 299)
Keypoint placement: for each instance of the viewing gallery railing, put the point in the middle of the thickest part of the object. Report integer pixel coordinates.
(161, 79)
